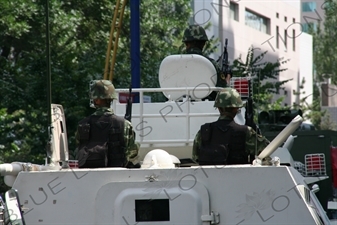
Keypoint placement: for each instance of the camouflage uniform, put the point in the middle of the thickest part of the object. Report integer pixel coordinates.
(104, 89)
(229, 97)
(197, 33)
(132, 148)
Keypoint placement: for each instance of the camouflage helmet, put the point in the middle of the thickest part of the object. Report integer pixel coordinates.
(228, 97)
(102, 89)
(195, 33)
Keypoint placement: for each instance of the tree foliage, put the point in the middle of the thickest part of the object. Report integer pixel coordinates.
(325, 67)
(79, 33)
(313, 111)
(325, 45)
(264, 76)
(327, 123)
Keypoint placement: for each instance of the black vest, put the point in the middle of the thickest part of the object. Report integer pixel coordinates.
(223, 143)
(106, 130)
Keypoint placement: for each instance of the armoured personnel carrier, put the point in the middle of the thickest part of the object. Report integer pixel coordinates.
(165, 190)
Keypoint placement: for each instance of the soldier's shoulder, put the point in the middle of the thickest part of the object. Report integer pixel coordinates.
(127, 123)
(250, 129)
(252, 133)
(244, 127)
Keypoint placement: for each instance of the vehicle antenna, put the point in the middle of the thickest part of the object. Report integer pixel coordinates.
(49, 150)
(48, 62)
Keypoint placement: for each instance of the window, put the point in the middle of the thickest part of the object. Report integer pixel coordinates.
(257, 21)
(151, 210)
(234, 11)
(277, 37)
(285, 19)
(276, 15)
(294, 37)
(285, 38)
(293, 20)
(309, 27)
(308, 6)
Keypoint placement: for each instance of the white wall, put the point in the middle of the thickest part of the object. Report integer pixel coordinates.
(306, 68)
(206, 11)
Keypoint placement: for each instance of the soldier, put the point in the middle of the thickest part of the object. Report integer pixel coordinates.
(195, 39)
(225, 142)
(104, 139)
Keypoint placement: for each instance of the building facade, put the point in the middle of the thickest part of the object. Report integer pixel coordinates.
(312, 14)
(273, 26)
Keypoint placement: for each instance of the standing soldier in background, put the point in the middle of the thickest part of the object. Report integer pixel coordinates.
(104, 139)
(225, 142)
(195, 39)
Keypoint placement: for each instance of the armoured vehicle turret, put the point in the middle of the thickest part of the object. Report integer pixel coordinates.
(167, 188)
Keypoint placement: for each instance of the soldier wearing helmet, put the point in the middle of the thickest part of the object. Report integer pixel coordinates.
(195, 39)
(224, 142)
(104, 139)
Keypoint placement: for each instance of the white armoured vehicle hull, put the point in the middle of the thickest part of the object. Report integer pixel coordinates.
(197, 195)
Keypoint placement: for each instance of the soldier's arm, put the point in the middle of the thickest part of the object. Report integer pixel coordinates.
(196, 146)
(255, 143)
(132, 148)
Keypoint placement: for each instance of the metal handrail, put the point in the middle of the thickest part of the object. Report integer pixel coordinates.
(185, 113)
